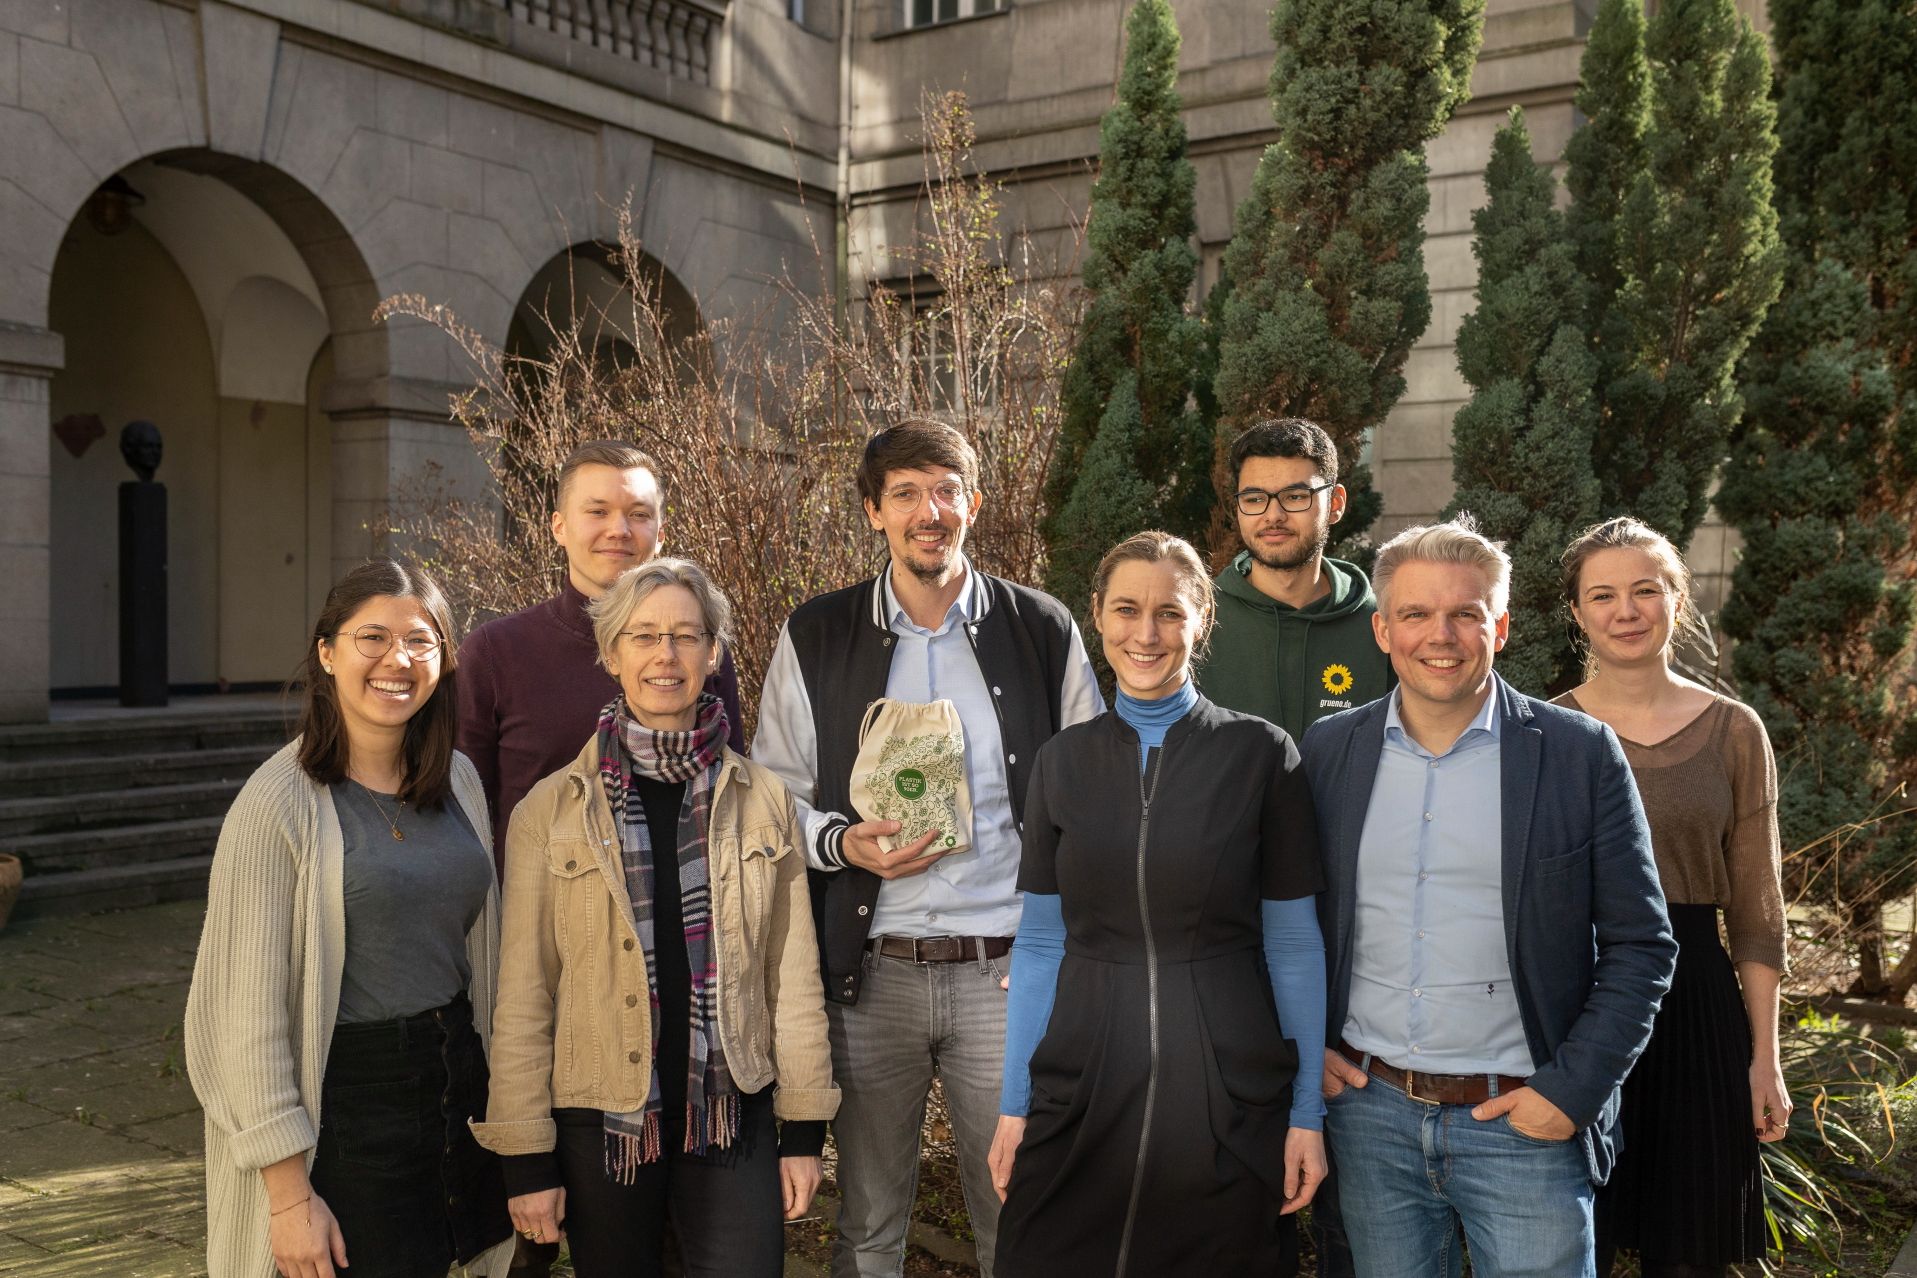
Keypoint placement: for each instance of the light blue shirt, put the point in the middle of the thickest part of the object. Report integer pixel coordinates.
(975, 892)
(1430, 978)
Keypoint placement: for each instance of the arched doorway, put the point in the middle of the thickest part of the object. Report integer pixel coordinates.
(586, 283)
(184, 300)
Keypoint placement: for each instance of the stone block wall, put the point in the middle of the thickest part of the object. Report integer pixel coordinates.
(1040, 74)
(398, 153)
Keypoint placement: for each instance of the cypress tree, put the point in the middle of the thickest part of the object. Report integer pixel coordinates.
(1823, 477)
(1603, 160)
(1521, 449)
(1698, 262)
(1139, 267)
(1110, 502)
(1327, 260)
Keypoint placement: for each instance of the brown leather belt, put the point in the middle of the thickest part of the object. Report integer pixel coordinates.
(1433, 1089)
(940, 949)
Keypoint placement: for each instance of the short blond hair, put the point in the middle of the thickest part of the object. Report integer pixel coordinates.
(1455, 542)
(611, 611)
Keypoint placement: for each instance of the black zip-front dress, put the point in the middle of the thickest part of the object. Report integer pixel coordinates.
(1161, 1091)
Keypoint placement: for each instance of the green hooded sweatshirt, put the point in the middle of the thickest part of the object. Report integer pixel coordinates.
(1294, 666)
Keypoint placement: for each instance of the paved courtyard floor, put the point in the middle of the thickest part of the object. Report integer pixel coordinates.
(100, 1136)
(100, 1139)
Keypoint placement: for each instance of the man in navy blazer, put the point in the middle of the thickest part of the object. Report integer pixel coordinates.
(1496, 937)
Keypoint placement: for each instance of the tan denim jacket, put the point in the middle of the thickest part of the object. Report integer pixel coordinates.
(572, 1027)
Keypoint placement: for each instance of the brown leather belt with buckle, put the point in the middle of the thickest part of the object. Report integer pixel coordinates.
(940, 949)
(1433, 1089)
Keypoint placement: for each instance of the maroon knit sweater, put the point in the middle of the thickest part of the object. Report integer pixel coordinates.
(530, 693)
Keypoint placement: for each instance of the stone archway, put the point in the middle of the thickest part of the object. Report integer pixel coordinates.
(585, 282)
(221, 307)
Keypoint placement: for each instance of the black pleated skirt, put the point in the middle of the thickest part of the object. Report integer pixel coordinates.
(1688, 1186)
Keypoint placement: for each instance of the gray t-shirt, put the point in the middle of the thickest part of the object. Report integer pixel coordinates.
(409, 904)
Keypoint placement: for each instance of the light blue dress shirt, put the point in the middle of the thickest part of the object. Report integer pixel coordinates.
(1430, 978)
(970, 893)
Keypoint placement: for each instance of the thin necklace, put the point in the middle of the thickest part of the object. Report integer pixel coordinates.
(392, 822)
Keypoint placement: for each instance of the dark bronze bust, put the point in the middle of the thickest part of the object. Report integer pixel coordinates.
(141, 445)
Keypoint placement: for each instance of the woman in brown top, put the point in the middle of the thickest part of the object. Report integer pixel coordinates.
(1687, 1194)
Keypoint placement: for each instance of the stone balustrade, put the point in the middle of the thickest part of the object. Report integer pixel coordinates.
(673, 36)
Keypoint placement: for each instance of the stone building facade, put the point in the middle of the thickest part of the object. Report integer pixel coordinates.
(202, 201)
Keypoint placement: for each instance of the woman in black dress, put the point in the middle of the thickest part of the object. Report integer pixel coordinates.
(1170, 866)
(1687, 1195)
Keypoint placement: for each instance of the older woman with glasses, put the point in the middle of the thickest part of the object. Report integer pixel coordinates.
(336, 1025)
(660, 1004)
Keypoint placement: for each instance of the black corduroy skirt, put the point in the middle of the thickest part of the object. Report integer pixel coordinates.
(1688, 1185)
(412, 1190)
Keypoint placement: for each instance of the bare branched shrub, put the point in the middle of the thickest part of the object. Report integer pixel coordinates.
(977, 335)
(757, 424)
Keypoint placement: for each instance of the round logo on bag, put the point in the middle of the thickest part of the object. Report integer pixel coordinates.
(910, 783)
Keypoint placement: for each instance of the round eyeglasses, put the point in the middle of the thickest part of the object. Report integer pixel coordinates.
(374, 642)
(907, 498)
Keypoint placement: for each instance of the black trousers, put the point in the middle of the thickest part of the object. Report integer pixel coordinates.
(412, 1190)
(726, 1206)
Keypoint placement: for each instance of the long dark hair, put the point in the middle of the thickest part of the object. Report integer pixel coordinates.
(427, 756)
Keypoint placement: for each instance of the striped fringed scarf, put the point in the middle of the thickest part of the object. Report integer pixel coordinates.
(626, 748)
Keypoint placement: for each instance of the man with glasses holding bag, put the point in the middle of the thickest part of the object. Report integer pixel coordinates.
(914, 935)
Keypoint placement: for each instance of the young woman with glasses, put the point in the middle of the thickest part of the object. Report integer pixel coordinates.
(660, 1008)
(337, 1022)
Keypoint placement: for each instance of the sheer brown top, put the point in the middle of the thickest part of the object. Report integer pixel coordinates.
(1710, 793)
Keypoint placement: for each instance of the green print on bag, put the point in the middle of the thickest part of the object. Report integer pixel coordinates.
(911, 769)
(926, 773)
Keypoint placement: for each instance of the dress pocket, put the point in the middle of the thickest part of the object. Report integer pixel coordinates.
(1255, 1062)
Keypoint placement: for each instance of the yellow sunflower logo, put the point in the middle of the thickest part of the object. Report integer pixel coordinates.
(1337, 679)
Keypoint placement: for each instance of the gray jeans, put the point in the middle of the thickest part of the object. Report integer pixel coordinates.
(912, 1020)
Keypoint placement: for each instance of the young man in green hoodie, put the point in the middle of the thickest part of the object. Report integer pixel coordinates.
(1293, 639)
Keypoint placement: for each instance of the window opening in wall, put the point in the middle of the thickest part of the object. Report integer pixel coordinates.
(928, 345)
(925, 13)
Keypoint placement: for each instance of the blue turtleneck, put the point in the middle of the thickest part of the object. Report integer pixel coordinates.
(1294, 954)
(1151, 720)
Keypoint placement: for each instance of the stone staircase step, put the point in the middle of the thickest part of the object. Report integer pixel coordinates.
(68, 850)
(125, 806)
(44, 778)
(110, 809)
(115, 888)
(157, 734)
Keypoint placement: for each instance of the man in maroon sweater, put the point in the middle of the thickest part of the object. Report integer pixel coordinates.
(530, 684)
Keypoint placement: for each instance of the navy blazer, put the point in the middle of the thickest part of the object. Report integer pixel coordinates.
(1585, 927)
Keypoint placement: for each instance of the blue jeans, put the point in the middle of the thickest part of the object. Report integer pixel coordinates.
(913, 1020)
(1410, 1173)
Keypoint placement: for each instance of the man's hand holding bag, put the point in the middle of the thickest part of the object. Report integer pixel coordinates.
(908, 785)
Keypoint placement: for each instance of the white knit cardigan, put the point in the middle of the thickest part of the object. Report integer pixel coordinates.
(265, 994)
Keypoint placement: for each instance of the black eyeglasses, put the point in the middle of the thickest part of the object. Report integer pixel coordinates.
(1254, 501)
